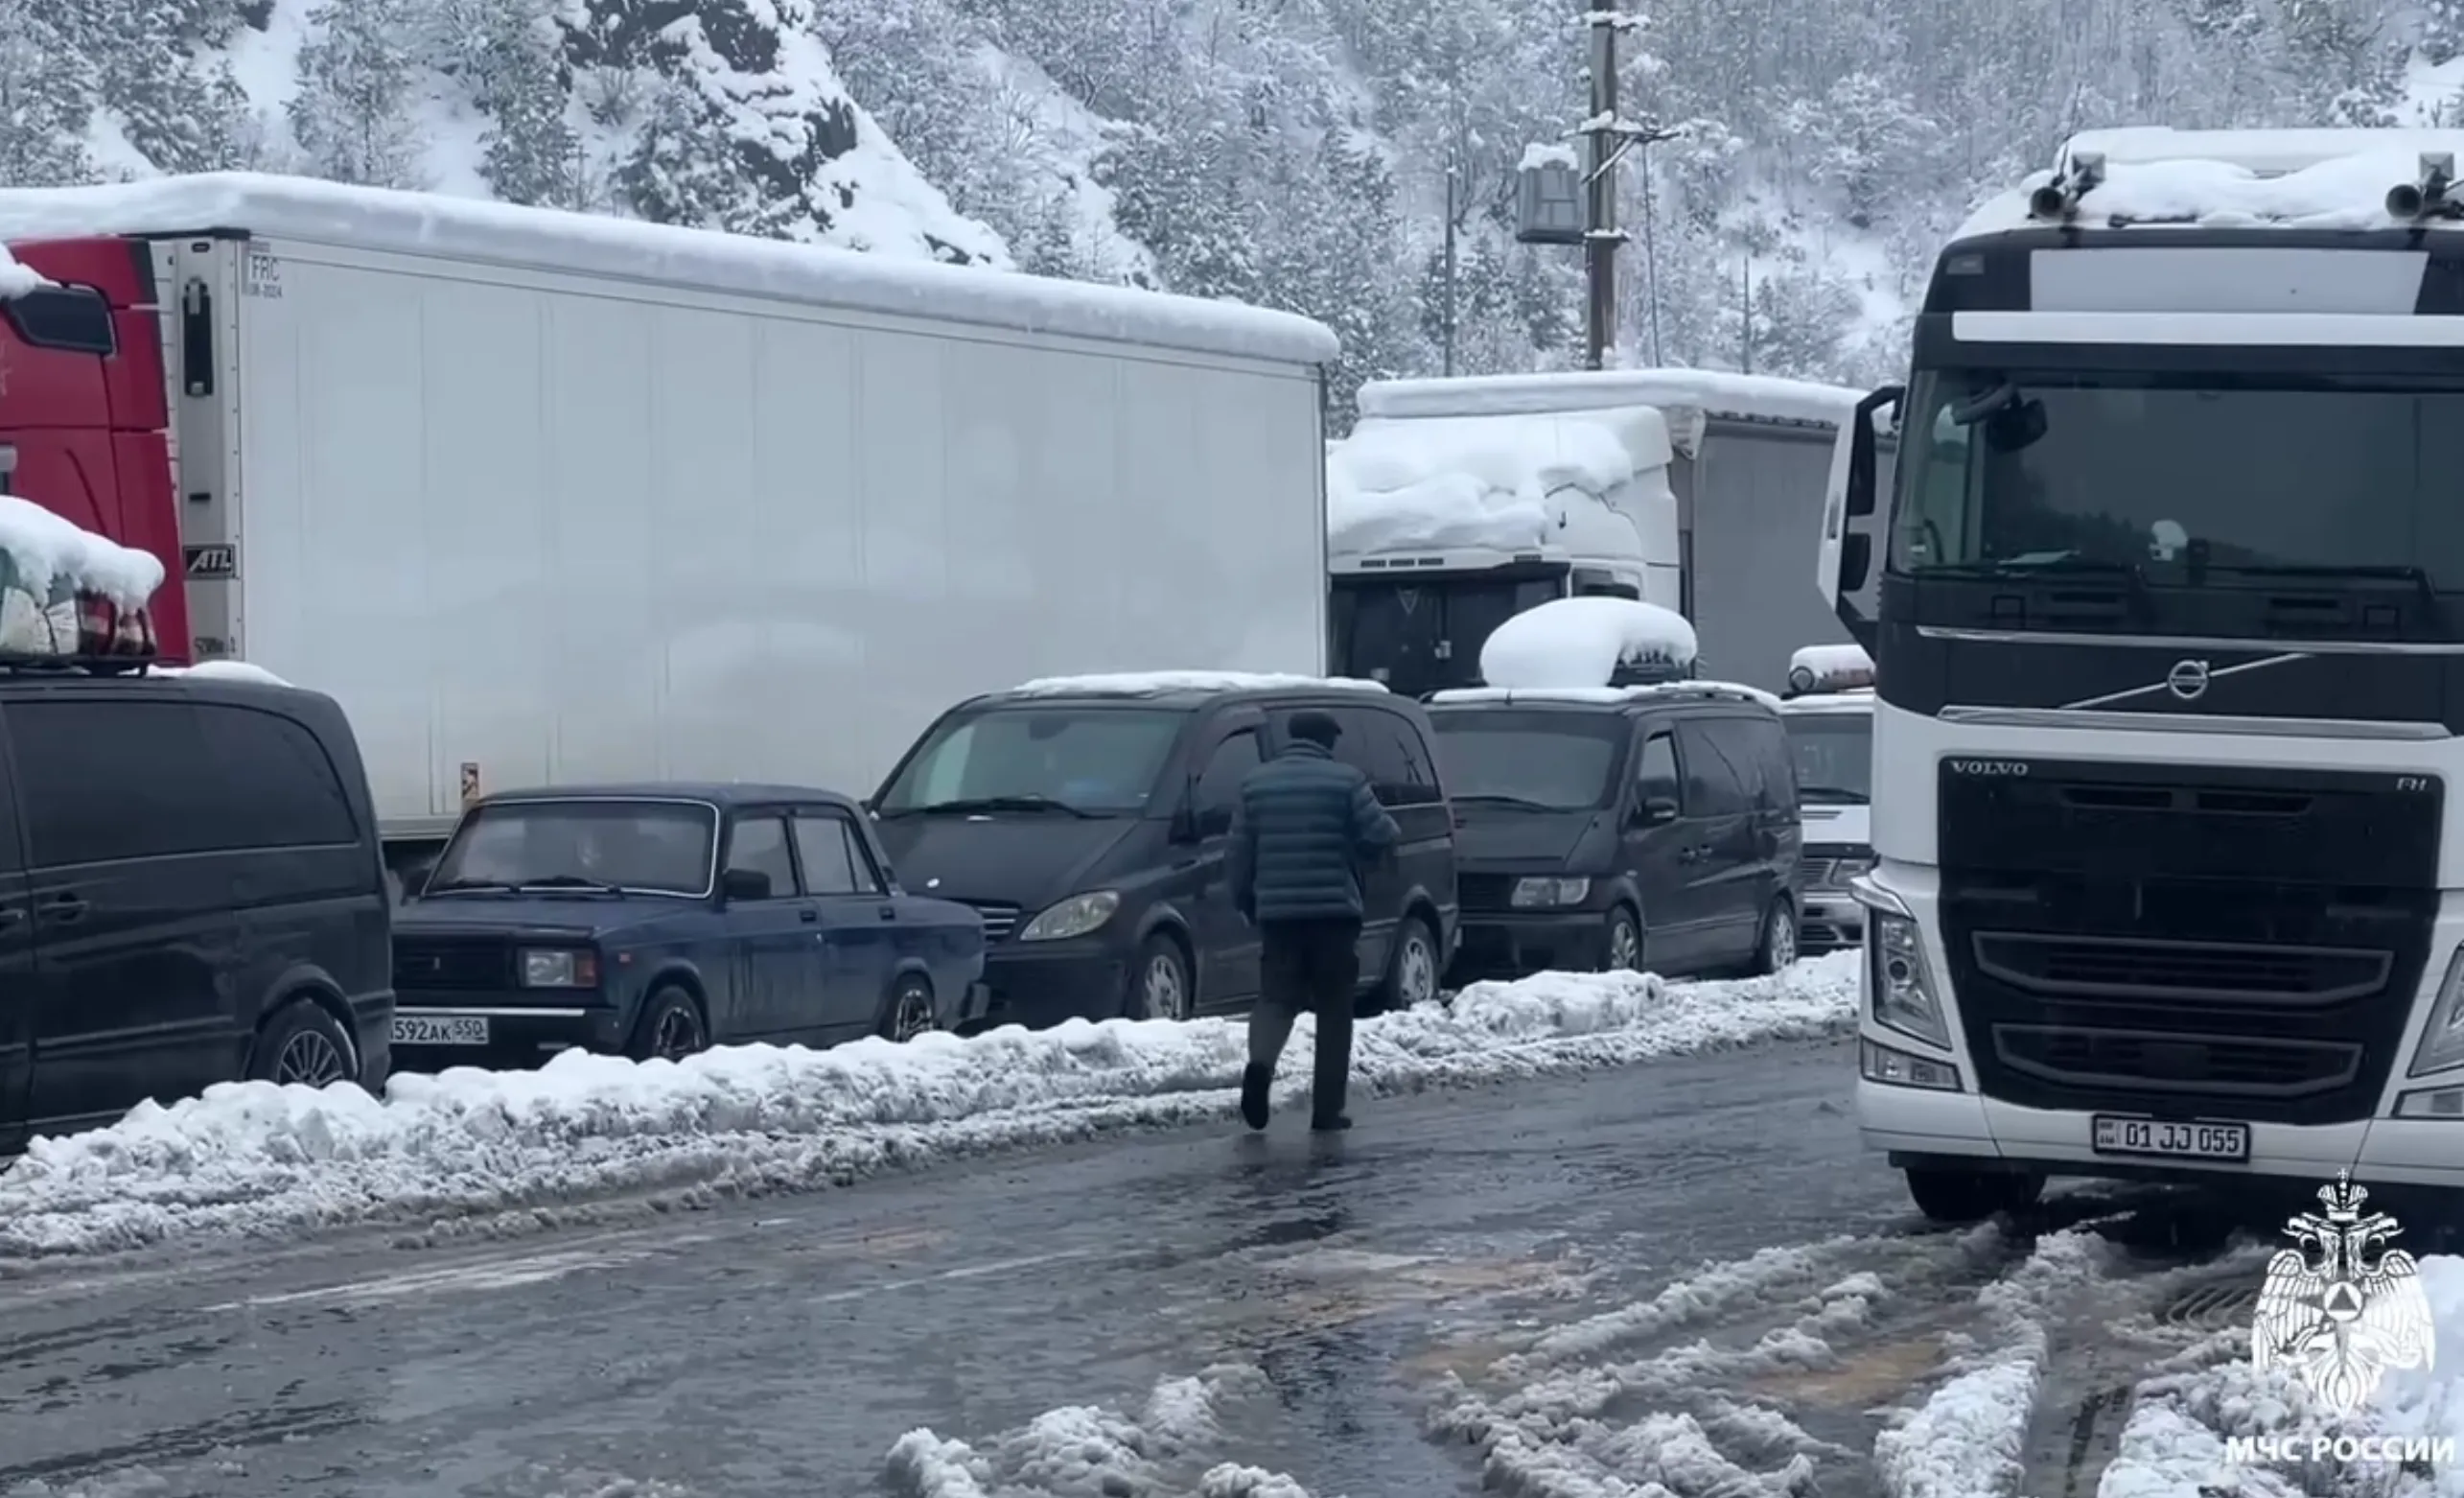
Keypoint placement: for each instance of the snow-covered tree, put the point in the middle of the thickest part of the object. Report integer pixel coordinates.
(358, 85)
(43, 104)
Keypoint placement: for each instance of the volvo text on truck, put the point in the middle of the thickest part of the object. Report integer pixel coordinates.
(1457, 502)
(546, 498)
(2170, 675)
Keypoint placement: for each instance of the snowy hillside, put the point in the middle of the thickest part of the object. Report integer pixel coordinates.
(1295, 155)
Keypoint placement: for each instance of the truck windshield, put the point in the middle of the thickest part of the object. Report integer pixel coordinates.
(1075, 760)
(2195, 481)
(1833, 754)
(1533, 761)
(644, 847)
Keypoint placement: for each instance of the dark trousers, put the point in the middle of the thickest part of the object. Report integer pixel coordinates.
(1313, 966)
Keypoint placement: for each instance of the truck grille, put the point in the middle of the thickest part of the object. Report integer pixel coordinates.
(1000, 921)
(2187, 942)
(1829, 866)
(433, 964)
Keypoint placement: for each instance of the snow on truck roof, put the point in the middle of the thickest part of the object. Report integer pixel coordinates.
(16, 280)
(1713, 391)
(332, 213)
(2156, 177)
(1480, 480)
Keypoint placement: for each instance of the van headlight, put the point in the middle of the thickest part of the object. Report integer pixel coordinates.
(1076, 916)
(1548, 894)
(1900, 982)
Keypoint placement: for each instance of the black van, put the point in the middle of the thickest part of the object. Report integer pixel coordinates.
(189, 893)
(1088, 821)
(1621, 829)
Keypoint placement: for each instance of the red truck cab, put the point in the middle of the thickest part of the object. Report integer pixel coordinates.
(84, 405)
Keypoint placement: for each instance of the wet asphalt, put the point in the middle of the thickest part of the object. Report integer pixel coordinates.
(781, 1347)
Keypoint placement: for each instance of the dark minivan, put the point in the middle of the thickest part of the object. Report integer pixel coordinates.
(1088, 818)
(189, 893)
(1643, 828)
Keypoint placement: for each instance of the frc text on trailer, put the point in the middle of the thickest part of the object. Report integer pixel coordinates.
(2171, 674)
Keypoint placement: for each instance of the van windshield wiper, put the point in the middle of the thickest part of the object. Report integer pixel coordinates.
(473, 887)
(572, 882)
(995, 804)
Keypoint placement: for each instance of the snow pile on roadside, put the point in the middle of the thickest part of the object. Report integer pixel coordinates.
(252, 1157)
(1579, 1415)
(1086, 1449)
(1965, 1440)
(2174, 1445)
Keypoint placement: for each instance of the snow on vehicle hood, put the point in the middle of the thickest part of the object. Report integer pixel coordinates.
(1828, 823)
(1025, 859)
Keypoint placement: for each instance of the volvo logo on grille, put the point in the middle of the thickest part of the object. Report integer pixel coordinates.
(2188, 680)
(1988, 767)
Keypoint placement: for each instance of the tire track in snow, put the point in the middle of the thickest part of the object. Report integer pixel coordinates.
(1775, 1375)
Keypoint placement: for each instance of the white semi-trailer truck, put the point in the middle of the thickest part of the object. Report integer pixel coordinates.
(545, 498)
(1458, 503)
(2169, 656)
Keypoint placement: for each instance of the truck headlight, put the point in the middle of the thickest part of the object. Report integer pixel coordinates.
(1548, 893)
(1075, 916)
(2442, 1040)
(559, 967)
(1900, 982)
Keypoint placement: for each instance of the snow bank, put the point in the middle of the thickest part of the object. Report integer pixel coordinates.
(428, 225)
(1148, 684)
(2347, 193)
(1714, 393)
(252, 1157)
(17, 280)
(1489, 482)
(1582, 643)
(1169, 1447)
(2174, 1445)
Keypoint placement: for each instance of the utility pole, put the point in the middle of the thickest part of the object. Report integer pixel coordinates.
(1601, 237)
(1451, 303)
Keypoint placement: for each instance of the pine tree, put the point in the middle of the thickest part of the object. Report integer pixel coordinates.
(358, 74)
(43, 105)
(531, 152)
(682, 167)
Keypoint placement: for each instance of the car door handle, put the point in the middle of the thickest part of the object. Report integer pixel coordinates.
(12, 916)
(63, 910)
(888, 912)
(808, 915)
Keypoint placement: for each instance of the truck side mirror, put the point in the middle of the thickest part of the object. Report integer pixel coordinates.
(1856, 560)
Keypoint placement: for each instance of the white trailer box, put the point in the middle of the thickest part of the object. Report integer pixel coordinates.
(546, 498)
(1752, 468)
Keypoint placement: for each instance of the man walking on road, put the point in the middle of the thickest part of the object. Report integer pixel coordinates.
(1306, 829)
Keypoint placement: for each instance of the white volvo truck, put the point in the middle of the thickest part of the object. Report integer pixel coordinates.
(2169, 656)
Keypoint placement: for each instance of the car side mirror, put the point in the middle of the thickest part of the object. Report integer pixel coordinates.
(414, 880)
(1655, 811)
(744, 885)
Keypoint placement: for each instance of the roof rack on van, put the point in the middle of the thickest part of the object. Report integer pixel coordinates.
(63, 665)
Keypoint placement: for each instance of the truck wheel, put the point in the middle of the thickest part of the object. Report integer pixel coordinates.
(1778, 947)
(670, 1027)
(1957, 1198)
(909, 1012)
(1621, 948)
(304, 1045)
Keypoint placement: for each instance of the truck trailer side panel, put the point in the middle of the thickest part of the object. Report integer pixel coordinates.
(533, 526)
(1755, 512)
